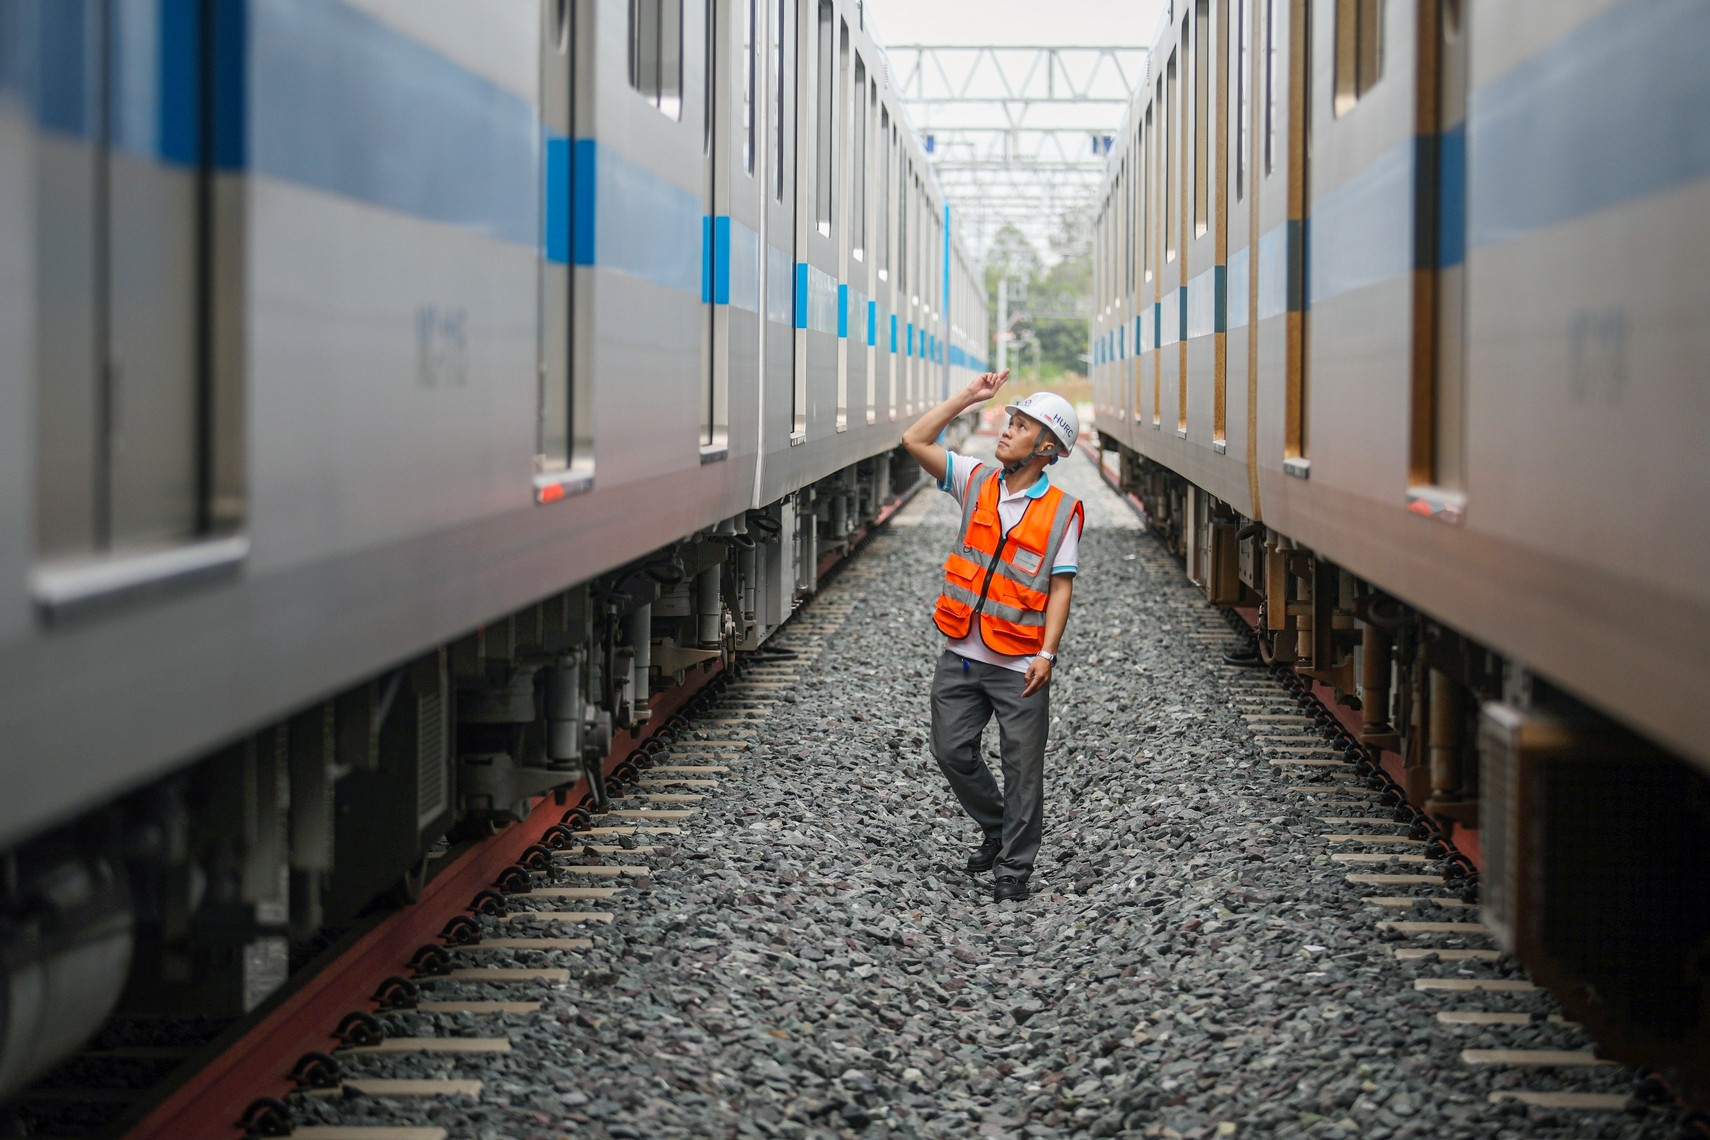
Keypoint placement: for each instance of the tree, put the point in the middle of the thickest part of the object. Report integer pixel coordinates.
(1013, 256)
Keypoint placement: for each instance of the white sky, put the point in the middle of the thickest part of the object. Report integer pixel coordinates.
(1013, 23)
(1044, 23)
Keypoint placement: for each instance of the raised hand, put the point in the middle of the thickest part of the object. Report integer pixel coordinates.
(985, 386)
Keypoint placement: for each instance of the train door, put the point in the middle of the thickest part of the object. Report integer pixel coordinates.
(862, 316)
(840, 164)
(818, 241)
(715, 190)
(780, 216)
(1236, 181)
(909, 284)
(129, 436)
(564, 459)
(887, 338)
(1295, 443)
(1436, 466)
(739, 287)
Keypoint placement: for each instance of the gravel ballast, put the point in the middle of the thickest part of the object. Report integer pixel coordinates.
(806, 958)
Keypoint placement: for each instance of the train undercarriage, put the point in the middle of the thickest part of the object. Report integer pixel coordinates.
(195, 896)
(1594, 842)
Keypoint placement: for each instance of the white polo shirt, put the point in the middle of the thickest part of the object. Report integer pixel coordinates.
(958, 470)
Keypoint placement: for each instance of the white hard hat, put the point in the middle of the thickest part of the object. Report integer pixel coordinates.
(1056, 413)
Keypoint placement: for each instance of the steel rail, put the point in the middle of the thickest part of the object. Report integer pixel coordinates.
(1464, 840)
(207, 1096)
(301, 1018)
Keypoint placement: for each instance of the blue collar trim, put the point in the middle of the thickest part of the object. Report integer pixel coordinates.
(1039, 487)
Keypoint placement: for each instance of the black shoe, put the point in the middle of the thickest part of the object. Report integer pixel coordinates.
(1010, 888)
(981, 860)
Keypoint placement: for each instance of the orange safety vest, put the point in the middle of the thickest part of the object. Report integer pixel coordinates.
(1003, 578)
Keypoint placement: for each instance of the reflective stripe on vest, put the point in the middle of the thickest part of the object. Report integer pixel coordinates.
(1003, 578)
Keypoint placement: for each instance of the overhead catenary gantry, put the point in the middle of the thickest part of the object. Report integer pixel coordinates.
(1017, 135)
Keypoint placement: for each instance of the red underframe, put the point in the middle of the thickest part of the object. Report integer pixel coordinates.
(207, 1106)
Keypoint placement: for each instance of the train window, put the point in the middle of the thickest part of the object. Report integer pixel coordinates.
(921, 239)
(1125, 227)
(1243, 61)
(1172, 136)
(915, 265)
(858, 175)
(748, 67)
(888, 144)
(875, 149)
(1137, 144)
(1146, 195)
(842, 121)
(902, 227)
(1117, 268)
(1273, 115)
(822, 136)
(1201, 114)
(656, 53)
(1359, 50)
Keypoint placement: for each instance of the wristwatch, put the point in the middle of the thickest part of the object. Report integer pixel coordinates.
(1051, 657)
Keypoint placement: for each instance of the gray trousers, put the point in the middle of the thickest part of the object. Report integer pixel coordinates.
(965, 694)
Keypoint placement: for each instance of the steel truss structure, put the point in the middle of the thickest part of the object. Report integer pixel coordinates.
(1018, 135)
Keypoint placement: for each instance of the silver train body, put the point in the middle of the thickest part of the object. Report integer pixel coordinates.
(393, 396)
(1400, 334)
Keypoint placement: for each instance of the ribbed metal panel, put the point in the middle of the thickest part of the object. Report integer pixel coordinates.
(431, 783)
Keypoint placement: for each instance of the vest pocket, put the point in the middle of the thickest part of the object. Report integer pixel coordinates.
(984, 531)
(1007, 637)
(953, 613)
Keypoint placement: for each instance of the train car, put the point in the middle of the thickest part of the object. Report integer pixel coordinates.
(394, 399)
(1397, 338)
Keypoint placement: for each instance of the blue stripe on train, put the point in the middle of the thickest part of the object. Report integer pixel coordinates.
(322, 94)
(328, 82)
(584, 202)
(706, 259)
(53, 52)
(231, 84)
(1613, 111)
(1451, 175)
(558, 200)
(1575, 129)
(177, 78)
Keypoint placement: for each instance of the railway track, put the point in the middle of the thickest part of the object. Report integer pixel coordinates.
(142, 1077)
(1235, 929)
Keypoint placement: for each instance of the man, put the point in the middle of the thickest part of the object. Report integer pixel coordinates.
(1005, 600)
